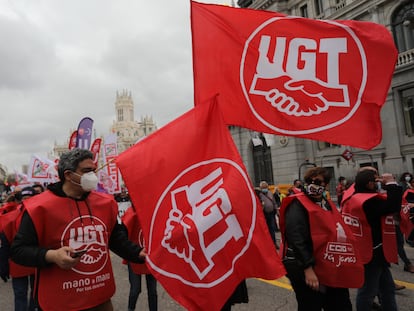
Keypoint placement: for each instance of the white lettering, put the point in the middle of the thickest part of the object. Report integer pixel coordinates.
(301, 58)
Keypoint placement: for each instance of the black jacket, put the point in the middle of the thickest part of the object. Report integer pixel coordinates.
(298, 235)
(25, 249)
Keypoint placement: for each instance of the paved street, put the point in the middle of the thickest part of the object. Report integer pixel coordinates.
(262, 295)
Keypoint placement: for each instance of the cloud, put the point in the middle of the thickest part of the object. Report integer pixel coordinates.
(63, 60)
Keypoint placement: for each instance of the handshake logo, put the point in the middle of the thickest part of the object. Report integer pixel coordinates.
(303, 75)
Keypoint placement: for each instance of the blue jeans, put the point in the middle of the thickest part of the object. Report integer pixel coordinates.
(378, 281)
(20, 289)
(135, 290)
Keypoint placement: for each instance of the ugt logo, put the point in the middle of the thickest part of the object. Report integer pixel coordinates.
(89, 234)
(293, 71)
(199, 226)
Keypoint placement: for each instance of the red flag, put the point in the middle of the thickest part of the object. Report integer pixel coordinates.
(72, 140)
(96, 148)
(323, 80)
(203, 224)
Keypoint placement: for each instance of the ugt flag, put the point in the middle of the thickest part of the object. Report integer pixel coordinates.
(203, 225)
(317, 79)
(84, 133)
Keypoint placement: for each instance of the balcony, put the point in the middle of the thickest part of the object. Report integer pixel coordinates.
(405, 58)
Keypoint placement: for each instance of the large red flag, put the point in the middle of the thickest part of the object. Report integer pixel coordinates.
(203, 224)
(322, 80)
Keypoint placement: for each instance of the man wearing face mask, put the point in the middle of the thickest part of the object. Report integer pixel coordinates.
(370, 217)
(66, 232)
(314, 237)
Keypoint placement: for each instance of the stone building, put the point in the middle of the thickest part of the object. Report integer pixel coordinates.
(281, 159)
(127, 129)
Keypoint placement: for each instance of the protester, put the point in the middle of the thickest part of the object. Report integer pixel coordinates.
(377, 242)
(340, 189)
(407, 220)
(66, 232)
(270, 209)
(22, 277)
(311, 226)
(38, 188)
(240, 295)
(405, 181)
(297, 187)
(136, 270)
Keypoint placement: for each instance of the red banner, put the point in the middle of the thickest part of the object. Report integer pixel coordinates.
(96, 148)
(200, 216)
(72, 140)
(323, 80)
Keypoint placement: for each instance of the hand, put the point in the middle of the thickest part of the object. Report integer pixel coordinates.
(311, 279)
(62, 257)
(143, 253)
(386, 178)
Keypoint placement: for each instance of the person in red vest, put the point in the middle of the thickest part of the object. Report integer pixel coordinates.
(135, 270)
(22, 277)
(370, 216)
(318, 248)
(67, 233)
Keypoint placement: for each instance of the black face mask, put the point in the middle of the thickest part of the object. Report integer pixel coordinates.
(18, 196)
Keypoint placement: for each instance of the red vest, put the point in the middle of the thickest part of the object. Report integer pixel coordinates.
(10, 223)
(61, 221)
(354, 216)
(337, 262)
(130, 220)
(406, 224)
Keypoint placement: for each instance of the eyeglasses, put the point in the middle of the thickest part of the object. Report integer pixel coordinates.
(318, 182)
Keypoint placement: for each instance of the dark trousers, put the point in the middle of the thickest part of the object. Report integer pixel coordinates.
(327, 298)
(400, 246)
(135, 290)
(23, 300)
(378, 281)
(271, 225)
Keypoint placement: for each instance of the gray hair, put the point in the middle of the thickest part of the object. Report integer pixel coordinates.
(70, 160)
(263, 184)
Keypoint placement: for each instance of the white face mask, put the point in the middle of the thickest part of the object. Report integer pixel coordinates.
(407, 178)
(88, 181)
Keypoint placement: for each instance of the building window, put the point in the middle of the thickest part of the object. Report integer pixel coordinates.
(371, 164)
(120, 115)
(304, 10)
(332, 183)
(318, 7)
(262, 161)
(403, 27)
(323, 145)
(407, 99)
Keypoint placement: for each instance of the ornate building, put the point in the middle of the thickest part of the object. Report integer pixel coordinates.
(281, 159)
(126, 128)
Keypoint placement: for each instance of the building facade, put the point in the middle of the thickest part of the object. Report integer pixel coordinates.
(281, 159)
(127, 129)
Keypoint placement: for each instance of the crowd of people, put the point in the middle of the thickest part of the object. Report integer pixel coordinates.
(371, 220)
(326, 247)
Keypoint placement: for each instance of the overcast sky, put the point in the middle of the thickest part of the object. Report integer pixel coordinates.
(61, 61)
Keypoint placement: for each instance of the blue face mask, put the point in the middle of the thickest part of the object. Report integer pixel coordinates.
(265, 190)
